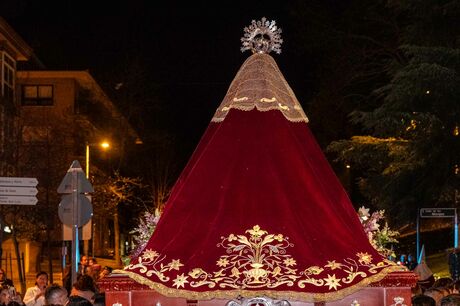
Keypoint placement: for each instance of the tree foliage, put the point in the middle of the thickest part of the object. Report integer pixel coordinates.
(410, 156)
(119, 192)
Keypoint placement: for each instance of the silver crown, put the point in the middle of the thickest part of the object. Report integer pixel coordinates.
(262, 36)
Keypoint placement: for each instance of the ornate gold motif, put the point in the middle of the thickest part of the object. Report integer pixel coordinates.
(258, 260)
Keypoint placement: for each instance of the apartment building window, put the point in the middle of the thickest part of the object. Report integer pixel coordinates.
(37, 95)
(8, 66)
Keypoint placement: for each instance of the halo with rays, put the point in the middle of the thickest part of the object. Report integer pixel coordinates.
(262, 36)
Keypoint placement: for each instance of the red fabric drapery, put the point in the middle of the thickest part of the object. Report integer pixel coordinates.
(258, 211)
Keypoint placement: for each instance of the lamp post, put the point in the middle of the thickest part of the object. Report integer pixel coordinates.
(104, 145)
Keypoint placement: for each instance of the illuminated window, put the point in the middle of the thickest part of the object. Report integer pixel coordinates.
(37, 95)
(8, 66)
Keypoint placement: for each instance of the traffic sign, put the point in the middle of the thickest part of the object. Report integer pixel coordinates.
(67, 209)
(84, 186)
(18, 191)
(18, 181)
(18, 200)
(437, 212)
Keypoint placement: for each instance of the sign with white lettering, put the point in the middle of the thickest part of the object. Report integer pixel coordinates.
(18, 181)
(17, 200)
(437, 212)
(18, 191)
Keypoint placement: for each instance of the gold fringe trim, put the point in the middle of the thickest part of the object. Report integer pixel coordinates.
(231, 294)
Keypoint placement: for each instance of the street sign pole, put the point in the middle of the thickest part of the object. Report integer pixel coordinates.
(456, 229)
(75, 209)
(418, 234)
(75, 240)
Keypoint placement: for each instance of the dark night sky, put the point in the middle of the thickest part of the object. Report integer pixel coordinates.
(190, 52)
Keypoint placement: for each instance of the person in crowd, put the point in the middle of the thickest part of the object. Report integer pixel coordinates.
(423, 300)
(4, 281)
(83, 264)
(436, 293)
(411, 262)
(78, 301)
(67, 278)
(8, 296)
(56, 295)
(105, 271)
(99, 300)
(35, 296)
(93, 268)
(402, 260)
(443, 282)
(451, 300)
(425, 276)
(454, 264)
(84, 288)
(455, 287)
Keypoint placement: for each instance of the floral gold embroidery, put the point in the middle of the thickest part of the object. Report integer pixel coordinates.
(364, 258)
(257, 260)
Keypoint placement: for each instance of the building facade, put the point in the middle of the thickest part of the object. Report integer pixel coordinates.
(47, 120)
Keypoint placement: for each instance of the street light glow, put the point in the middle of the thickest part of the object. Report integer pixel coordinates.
(104, 145)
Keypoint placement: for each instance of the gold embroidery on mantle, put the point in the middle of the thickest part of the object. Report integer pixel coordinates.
(258, 260)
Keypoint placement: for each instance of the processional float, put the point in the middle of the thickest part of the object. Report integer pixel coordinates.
(258, 217)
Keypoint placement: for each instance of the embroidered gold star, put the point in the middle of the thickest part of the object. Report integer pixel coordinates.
(180, 281)
(332, 282)
(175, 264)
(289, 262)
(333, 265)
(222, 262)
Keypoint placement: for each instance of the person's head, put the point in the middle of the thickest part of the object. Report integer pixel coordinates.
(84, 260)
(84, 287)
(78, 301)
(435, 293)
(105, 271)
(451, 300)
(92, 261)
(423, 300)
(41, 280)
(455, 288)
(443, 282)
(56, 295)
(5, 296)
(99, 300)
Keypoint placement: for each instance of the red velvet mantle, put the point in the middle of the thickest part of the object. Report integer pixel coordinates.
(258, 211)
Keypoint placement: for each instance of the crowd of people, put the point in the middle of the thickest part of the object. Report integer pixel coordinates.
(444, 291)
(84, 292)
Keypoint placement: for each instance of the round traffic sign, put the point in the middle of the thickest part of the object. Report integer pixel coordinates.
(75, 214)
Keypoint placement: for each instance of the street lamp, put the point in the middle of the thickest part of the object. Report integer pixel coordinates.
(104, 145)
